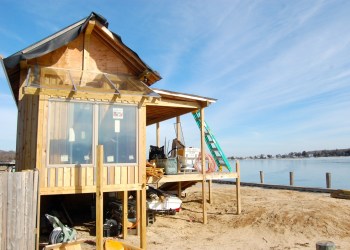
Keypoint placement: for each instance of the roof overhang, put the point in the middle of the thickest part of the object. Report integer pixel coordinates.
(173, 104)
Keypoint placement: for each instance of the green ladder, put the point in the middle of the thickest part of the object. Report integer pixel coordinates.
(212, 143)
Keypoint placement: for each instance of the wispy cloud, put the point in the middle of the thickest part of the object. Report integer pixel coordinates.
(265, 66)
(280, 69)
(7, 34)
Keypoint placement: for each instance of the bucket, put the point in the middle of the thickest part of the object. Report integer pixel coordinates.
(169, 165)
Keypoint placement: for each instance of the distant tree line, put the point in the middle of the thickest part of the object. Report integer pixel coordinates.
(7, 156)
(303, 154)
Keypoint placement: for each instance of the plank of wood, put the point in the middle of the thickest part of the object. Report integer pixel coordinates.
(125, 214)
(28, 130)
(124, 175)
(29, 234)
(82, 177)
(104, 176)
(238, 187)
(34, 132)
(60, 177)
(42, 141)
(117, 175)
(20, 209)
(83, 95)
(138, 211)
(20, 139)
(99, 198)
(89, 176)
(131, 174)
(51, 176)
(35, 210)
(3, 210)
(67, 176)
(88, 189)
(86, 53)
(11, 213)
(71, 245)
(112, 175)
(143, 237)
(39, 139)
(204, 200)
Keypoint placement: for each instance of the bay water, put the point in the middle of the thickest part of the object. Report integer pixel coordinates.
(308, 172)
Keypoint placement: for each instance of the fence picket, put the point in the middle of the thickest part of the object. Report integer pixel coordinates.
(18, 206)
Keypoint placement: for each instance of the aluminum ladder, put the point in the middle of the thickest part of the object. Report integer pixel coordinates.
(213, 145)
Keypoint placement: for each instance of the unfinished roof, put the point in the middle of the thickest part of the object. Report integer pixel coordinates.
(173, 104)
(67, 35)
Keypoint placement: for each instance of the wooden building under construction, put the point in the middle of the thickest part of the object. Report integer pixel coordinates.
(83, 87)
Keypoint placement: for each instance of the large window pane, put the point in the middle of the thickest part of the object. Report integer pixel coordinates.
(70, 136)
(117, 133)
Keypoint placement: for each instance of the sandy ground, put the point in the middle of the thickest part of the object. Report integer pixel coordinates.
(270, 219)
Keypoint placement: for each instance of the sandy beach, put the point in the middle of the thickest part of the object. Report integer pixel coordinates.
(270, 219)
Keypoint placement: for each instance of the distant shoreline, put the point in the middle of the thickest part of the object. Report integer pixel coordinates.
(286, 158)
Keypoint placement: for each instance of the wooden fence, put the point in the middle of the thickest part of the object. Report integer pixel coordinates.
(18, 209)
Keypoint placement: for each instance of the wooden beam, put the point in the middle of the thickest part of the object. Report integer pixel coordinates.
(86, 52)
(179, 189)
(158, 134)
(205, 218)
(37, 230)
(98, 96)
(99, 198)
(138, 211)
(178, 132)
(175, 103)
(125, 214)
(143, 241)
(87, 189)
(238, 187)
(193, 177)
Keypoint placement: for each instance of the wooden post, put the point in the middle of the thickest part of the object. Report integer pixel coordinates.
(138, 211)
(37, 230)
(99, 198)
(158, 134)
(178, 131)
(262, 177)
(328, 180)
(125, 214)
(205, 218)
(210, 192)
(325, 245)
(291, 178)
(143, 242)
(179, 189)
(238, 187)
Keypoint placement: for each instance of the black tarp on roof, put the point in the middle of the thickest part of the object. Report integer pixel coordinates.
(53, 42)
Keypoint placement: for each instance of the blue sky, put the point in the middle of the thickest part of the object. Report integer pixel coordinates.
(279, 69)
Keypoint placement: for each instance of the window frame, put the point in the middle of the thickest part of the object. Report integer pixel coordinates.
(95, 127)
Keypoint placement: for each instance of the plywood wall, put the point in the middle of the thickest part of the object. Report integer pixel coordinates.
(102, 57)
(27, 125)
(69, 56)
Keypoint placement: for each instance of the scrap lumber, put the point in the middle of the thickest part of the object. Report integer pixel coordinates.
(153, 171)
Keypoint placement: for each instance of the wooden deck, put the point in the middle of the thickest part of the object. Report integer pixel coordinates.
(193, 177)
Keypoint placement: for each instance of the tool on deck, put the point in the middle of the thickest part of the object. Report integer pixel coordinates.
(213, 145)
(60, 232)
